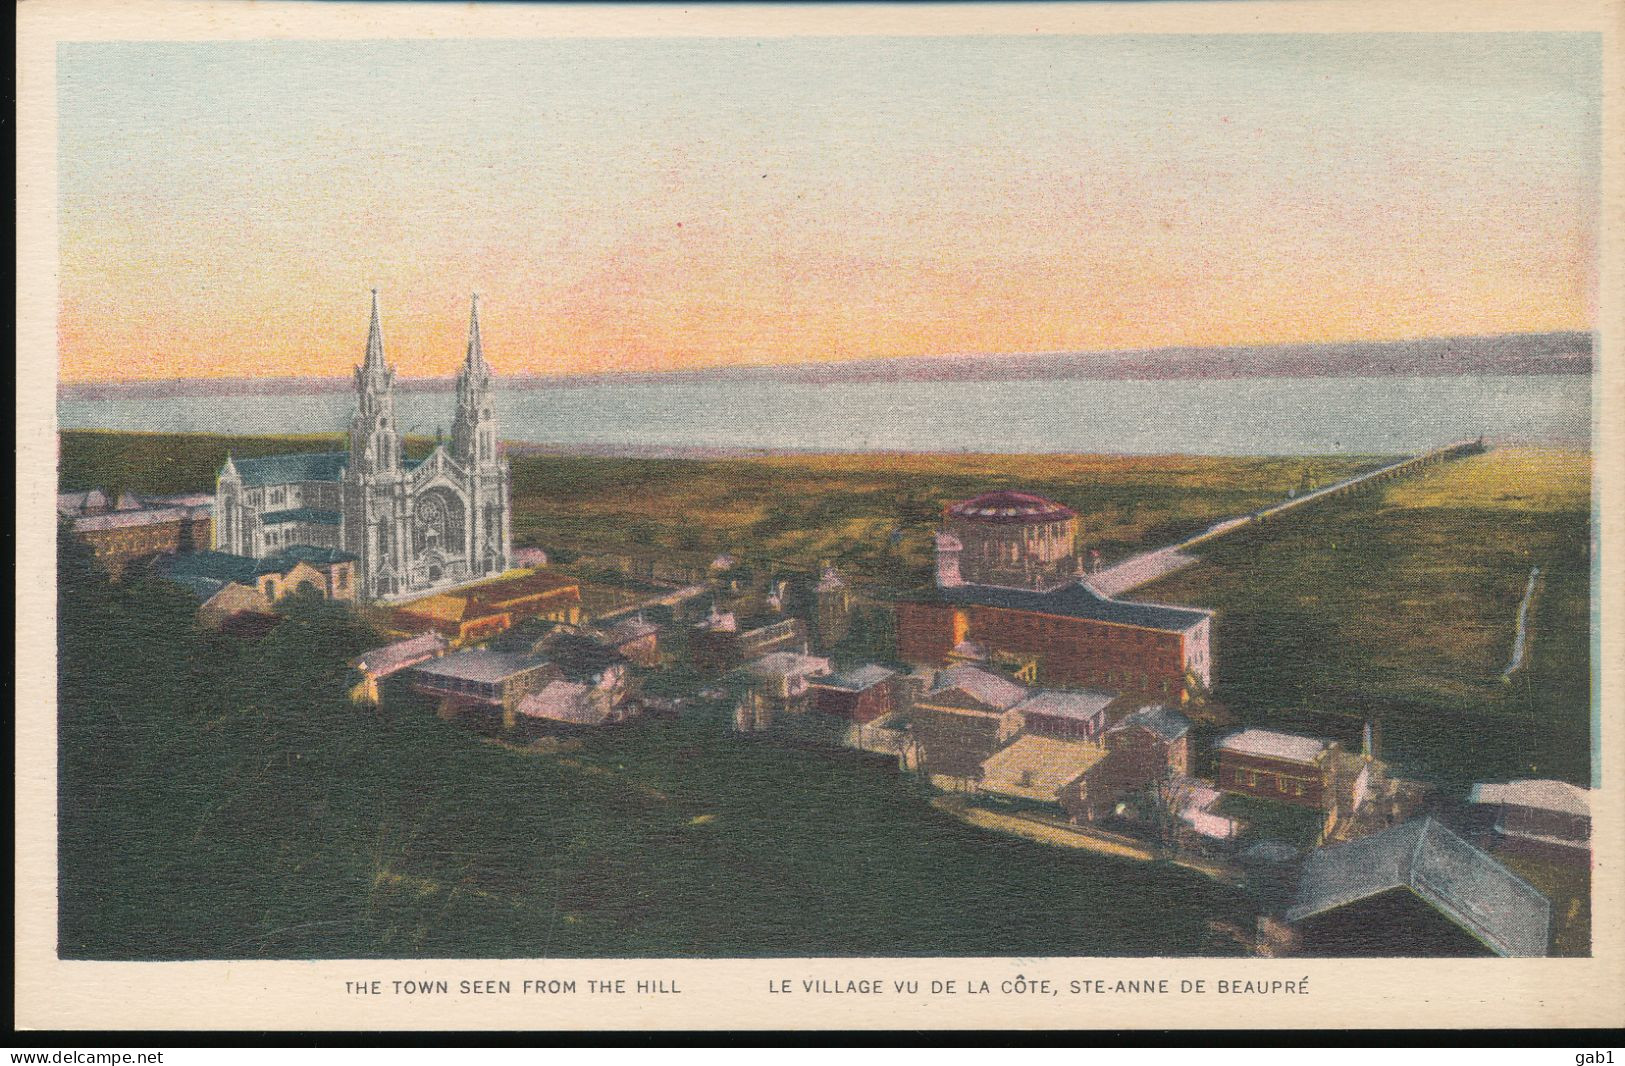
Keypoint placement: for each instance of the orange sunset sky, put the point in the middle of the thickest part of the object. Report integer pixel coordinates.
(666, 204)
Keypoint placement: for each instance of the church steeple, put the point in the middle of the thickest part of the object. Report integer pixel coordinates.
(474, 432)
(476, 354)
(375, 339)
(375, 442)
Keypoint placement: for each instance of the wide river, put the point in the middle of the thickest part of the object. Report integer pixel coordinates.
(1238, 416)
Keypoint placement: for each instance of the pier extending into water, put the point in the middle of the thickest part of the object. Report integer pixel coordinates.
(1147, 567)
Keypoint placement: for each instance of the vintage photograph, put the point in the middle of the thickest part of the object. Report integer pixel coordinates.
(1109, 495)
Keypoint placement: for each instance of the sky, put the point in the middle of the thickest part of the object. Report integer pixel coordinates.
(647, 204)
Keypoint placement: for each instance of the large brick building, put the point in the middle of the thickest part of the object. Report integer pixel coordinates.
(133, 529)
(1277, 766)
(1008, 587)
(1075, 636)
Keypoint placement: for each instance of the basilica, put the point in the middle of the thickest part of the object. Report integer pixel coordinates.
(411, 525)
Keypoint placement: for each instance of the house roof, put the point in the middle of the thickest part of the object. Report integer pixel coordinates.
(308, 553)
(70, 503)
(1268, 744)
(481, 664)
(128, 518)
(985, 687)
(506, 591)
(1080, 705)
(1498, 908)
(288, 469)
(1074, 600)
(441, 607)
(1037, 768)
(185, 499)
(784, 664)
(858, 678)
(1558, 796)
(219, 566)
(1169, 725)
(238, 599)
(562, 701)
(393, 658)
(303, 514)
(1010, 508)
(630, 629)
(203, 588)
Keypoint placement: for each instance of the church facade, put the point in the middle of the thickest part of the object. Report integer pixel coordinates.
(413, 526)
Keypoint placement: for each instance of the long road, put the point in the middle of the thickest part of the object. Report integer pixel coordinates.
(1142, 569)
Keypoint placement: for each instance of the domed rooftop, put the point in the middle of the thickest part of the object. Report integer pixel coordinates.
(1010, 508)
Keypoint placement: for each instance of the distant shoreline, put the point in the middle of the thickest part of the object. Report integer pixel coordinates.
(526, 449)
(1532, 354)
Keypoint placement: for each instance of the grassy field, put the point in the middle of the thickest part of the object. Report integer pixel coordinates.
(846, 508)
(1400, 604)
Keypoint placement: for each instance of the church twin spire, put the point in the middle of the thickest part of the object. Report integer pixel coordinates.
(374, 435)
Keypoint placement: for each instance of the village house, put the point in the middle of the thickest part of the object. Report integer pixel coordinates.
(241, 611)
(1416, 889)
(961, 720)
(1145, 749)
(1363, 795)
(1042, 769)
(831, 609)
(134, 529)
(1542, 819)
(378, 664)
(325, 572)
(1066, 715)
(1265, 764)
(772, 686)
(479, 677)
(636, 639)
(722, 640)
(1009, 586)
(861, 694)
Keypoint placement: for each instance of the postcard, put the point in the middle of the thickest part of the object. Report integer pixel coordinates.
(1071, 515)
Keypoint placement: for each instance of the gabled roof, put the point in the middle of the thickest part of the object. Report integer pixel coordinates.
(1075, 600)
(393, 658)
(1268, 744)
(1082, 705)
(1167, 724)
(858, 678)
(219, 566)
(1501, 910)
(783, 664)
(562, 701)
(287, 469)
(303, 514)
(1558, 796)
(985, 687)
(480, 664)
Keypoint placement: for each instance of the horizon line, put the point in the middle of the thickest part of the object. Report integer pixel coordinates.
(834, 364)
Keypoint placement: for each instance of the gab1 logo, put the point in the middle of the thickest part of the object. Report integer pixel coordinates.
(1594, 1058)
